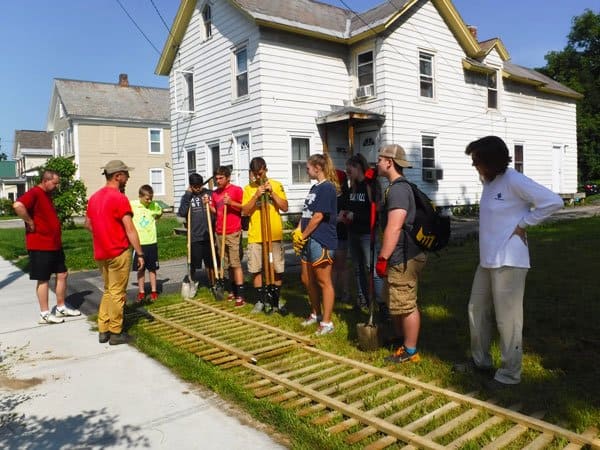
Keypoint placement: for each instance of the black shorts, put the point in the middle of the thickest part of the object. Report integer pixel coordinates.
(150, 258)
(43, 263)
(201, 254)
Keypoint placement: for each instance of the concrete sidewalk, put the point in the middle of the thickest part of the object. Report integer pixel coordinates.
(60, 388)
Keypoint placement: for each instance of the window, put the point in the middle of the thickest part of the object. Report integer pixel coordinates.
(207, 20)
(215, 156)
(364, 70)
(518, 159)
(300, 153)
(61, 110)
(492, 88)
(426, 74)
(241, 72)
(157, 181)
(184, 91)
(428, 151)
(190, 151)
(155, 138)
(61, 150)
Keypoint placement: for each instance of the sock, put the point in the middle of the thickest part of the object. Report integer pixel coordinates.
(259, 294)
(60, 308)
(239, 290)
(44, 313)
(410, 350)
(326, 324)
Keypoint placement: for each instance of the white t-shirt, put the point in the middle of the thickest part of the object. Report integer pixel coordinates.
(509, 200)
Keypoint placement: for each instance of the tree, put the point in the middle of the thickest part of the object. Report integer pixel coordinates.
(3, 156)
(578, 66)
(70, 196)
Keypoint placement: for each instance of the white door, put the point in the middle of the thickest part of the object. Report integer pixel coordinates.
(557, 164)
(367, 145)
(240, 172)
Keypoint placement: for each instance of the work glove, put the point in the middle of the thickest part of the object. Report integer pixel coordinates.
(298, 241)
(370, 174)
(381, 267)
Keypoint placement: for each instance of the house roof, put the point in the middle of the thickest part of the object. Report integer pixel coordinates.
(542, 82)
(327, 22)
(34, 140)
(349, 113)
(8, 169)
(96, 100)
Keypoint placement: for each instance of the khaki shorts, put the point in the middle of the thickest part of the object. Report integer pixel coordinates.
(232, 250)
(254, 252)
(401, 287)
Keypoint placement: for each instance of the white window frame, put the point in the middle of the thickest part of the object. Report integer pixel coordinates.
(427, 56)
(160, 141)
(522, 160)
(492, 91)
(298, 161)
(236, 73)
(188, 149)
(368, 89)
(206, 21)
(432, 147)
(211, 166)
(160, 171)
(184, 91)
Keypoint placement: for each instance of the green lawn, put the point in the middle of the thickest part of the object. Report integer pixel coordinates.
(561, 334)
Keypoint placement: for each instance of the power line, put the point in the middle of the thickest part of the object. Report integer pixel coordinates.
(161, 18)
(138, 27)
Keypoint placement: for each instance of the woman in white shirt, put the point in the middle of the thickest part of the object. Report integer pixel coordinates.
(510, 202)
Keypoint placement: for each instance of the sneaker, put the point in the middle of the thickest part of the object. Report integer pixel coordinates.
(153, 296)
(65, 311)
(401, 356)
(268, 309)
(258, 307)
(311, 320)
(495, 385)
(140, 297)
(49, 319)
(118, 339)
(282, 310)
(324, 328)
(239, 301)
(231, 297)
(103, 337)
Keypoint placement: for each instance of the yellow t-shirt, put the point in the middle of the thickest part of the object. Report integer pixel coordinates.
(254, 229)
(144, 220)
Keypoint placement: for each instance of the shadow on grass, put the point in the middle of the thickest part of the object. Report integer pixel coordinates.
(89, 429)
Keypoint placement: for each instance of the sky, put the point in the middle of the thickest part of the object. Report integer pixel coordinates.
(95, 40)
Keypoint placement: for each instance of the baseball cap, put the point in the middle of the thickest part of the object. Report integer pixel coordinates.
(115, 166)
(395, 152)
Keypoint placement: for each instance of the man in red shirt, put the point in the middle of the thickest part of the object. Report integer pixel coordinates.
(109, 218)
(43, 240)
(230, 195)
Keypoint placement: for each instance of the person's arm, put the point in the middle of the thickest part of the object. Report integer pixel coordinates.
(133, 238)
(279, 202)
(184, 204)
(21, 211)
(312, 224)
(391, 234)
(250, 206)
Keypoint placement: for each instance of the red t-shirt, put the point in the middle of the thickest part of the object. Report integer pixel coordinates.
(105, 212)
(234, 215)
(47, 234)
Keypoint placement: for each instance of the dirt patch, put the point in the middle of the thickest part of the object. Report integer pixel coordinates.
(14, 384)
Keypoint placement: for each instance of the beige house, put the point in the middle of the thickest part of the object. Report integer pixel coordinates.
(95, 122)
(31, 150)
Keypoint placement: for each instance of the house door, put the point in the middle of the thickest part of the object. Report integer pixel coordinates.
(367, 145)
(557, 164)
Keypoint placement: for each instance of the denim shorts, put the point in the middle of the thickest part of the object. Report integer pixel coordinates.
(315, 254)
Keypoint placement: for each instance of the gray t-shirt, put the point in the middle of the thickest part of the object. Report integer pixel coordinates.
(399, 195)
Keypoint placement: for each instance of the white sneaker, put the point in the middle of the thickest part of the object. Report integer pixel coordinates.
(50, 319)
(66, 312)
(311, 320)
(324, 328)
(258, 307)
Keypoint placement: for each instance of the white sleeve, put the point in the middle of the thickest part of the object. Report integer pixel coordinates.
(543, 202)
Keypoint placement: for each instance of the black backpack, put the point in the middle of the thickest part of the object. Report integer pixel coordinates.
(430, 230)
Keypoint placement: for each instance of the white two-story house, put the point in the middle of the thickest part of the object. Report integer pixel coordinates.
(287, 79)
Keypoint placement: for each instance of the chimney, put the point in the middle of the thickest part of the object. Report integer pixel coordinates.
(473, 30)
(123, 81)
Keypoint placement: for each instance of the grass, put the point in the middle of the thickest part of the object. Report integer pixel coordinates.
(561, 329)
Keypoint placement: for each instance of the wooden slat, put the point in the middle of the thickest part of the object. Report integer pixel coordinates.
(590, 433)
(540, 442)
(510, 435)
(476, 432)
(382, 443)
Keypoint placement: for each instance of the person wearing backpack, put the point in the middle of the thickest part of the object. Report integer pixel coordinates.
(400, 260)
(510, 202)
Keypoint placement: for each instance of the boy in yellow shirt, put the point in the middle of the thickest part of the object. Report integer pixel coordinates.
(145, 213)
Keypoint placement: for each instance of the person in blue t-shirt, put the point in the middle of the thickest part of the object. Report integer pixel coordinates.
(316, 236)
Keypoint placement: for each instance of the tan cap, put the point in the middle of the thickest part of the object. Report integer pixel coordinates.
(115, 166)
(395, 152)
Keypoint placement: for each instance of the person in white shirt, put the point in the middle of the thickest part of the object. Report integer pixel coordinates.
(510, 202)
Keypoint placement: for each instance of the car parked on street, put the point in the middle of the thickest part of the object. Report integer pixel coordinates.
(591, 188)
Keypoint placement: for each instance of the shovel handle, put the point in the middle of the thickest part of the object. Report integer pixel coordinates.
(223, 240)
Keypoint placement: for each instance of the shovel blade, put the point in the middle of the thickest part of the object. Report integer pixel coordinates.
(186, 288)
(368, 337)
(219, 290)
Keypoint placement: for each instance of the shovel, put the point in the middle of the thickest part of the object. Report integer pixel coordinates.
(188, 286)
(217, 289)
(368, 339)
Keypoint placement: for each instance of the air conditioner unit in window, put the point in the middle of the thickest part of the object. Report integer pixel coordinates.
(431, 174)
(367, 90)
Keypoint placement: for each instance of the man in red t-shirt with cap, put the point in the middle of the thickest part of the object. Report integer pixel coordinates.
(109, 218)
(43, 239)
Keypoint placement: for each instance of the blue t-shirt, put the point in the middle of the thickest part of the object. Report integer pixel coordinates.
(322, 198)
